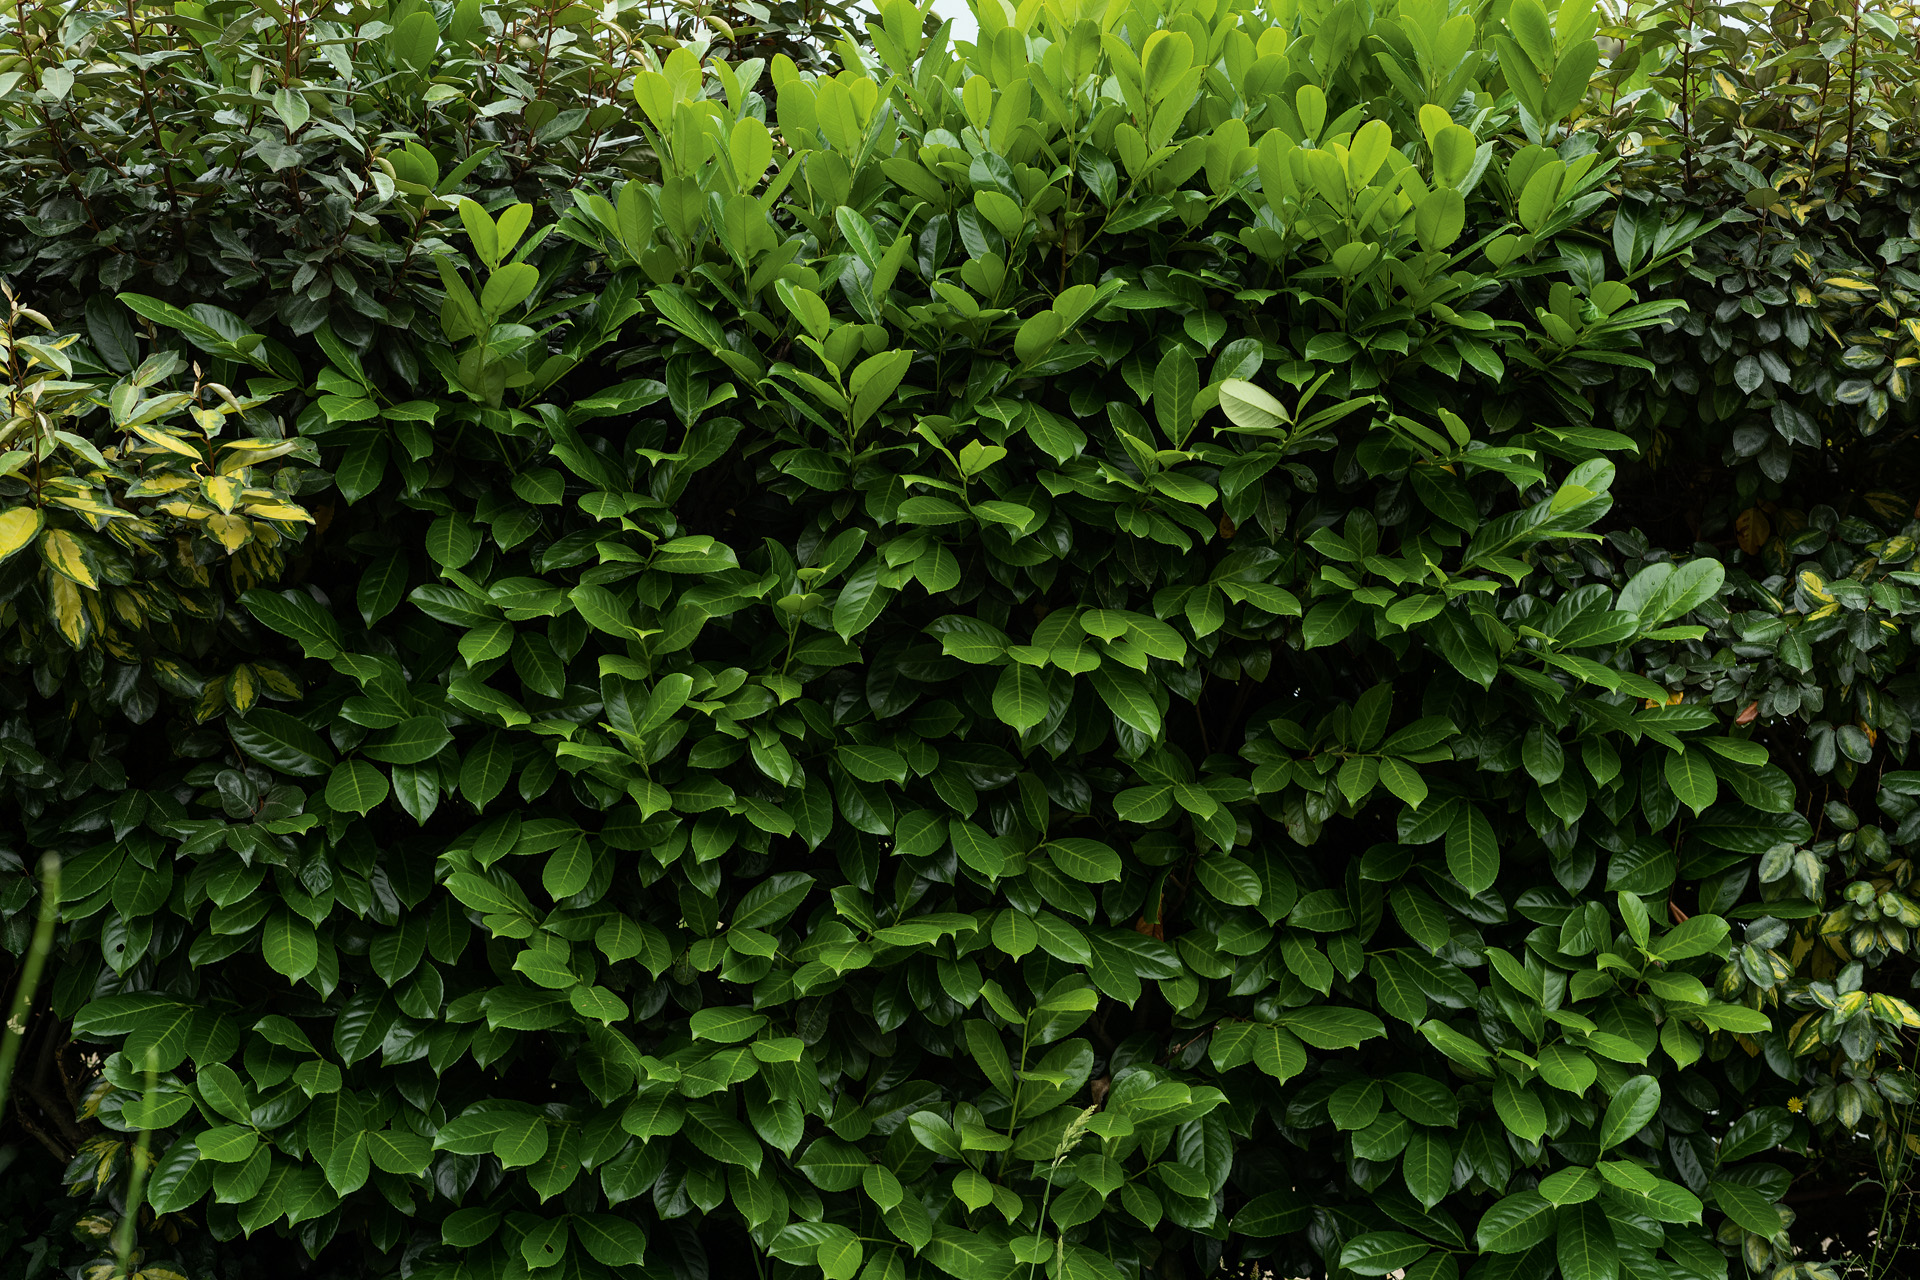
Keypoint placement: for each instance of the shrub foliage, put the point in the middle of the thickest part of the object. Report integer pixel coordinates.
(1186, 634)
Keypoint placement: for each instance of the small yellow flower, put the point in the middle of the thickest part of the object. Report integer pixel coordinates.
(1796, 1105)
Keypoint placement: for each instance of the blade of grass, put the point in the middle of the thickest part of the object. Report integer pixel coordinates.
(30, 970)
(127, 1231)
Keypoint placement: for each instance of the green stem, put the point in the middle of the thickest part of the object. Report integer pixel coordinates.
(1019, 1080)
(1040, 1223)
(30, 970)
(127, 1230)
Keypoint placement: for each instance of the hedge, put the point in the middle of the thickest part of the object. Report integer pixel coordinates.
(1184, 636)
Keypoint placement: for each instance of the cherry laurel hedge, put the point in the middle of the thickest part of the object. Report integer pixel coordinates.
(1073, 654)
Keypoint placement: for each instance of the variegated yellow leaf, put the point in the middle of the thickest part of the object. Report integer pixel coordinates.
(1894, 1009)
(126, 607)
(213, 700)
(278, 511)
(221, 491)
(243, 688)
(134, 534)
(18, 527)
(138, 411)
(68, 611)
(96, 1226)
(158, 486)
(231, 532)
(174, 678)
(67, 556)
(184, 509)
(249, 453)
(167, 440)
(92, 506)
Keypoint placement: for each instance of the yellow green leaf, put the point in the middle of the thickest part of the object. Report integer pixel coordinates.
(278, 511)
(243, 688)
(17, 528)
(232, 532)
(67, 556)
(167, 440)
(68, 611)
(221, 491)
(213, 700)
(276, 679)
(247, 453)
(126, 607)
(182, 509)
(90, 505)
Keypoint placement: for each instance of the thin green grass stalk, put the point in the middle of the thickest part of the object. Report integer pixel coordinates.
(35, 964)
(1068, 1141)
(127, 1231)
(1893, 1220)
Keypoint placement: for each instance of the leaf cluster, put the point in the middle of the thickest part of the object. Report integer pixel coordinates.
(1045, 654)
